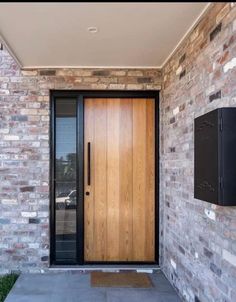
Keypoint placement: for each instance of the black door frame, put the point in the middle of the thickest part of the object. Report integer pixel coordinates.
(80, 95)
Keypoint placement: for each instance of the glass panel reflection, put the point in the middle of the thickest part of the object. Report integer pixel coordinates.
(65, 174)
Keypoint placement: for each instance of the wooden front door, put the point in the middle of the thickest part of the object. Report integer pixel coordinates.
(119, 179)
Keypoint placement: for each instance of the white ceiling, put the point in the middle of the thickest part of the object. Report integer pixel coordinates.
(129, 34)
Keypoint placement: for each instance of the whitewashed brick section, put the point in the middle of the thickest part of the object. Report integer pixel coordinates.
(8, 201)
(173, 263)
(234, 25)
(29, 72)
(229, 257)
(176, 111)
(210, 214)
(11, 138)
(230, 65)
(178, 71)
(28, 214)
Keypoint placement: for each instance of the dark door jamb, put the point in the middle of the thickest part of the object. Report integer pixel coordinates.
(81, 95)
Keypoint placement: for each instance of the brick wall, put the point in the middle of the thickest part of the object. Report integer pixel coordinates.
(24, 151)
(199, 245)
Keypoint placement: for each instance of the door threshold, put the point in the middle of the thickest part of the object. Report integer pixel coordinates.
(148, 268)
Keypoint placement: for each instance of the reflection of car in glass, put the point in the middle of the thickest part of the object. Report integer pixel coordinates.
(60, 200)
(70, 201)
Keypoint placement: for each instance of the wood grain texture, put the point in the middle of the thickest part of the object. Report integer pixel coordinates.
(113, 179)
(150, 181)
(139, 178)
(119, 212)
(126, 180)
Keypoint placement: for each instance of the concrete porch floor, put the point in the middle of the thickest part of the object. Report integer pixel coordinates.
(75, 287)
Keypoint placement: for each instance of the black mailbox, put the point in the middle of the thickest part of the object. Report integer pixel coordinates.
(215, 157)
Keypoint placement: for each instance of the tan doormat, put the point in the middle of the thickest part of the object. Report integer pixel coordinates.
(126, 279)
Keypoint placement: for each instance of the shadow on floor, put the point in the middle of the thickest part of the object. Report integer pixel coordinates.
(75, 287)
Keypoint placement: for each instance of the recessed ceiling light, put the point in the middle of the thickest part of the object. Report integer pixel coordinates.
(93, 29)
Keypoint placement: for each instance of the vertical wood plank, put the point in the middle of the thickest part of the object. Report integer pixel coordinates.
(126, 180)
(100, 174)
(113, 182)
(139, 178)
(150, 182)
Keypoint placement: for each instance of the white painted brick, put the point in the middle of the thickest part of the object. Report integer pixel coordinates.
(33, 245)
(4, 79)
(230, 65)
(42, 214)
(178, 71)
(176, 110)
(43, 137)
(210, 214)
(28, 214)
(135, 73)
(19, 221)
(35, 144)
(4, 245)
(117, 86)
(11, 137)
(229, 257)
(135, 86)
(33, 195)
(25, 239)
(185, 147)
(29, 72)
(4, 131)
(34, 182)
(9, 201)
(118, 73)
(29, 111)
(234, 25)
(173, 263)
(4, 92)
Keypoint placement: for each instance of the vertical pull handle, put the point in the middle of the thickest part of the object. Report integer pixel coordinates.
(89, 164)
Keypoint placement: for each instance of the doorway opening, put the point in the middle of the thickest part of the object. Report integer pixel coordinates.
(104, 177)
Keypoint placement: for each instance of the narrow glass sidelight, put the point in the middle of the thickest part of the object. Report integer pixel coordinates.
(65, 180)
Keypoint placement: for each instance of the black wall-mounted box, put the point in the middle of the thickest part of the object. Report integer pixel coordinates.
(215, 157)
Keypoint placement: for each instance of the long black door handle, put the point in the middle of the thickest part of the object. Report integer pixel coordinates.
(89, 165)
